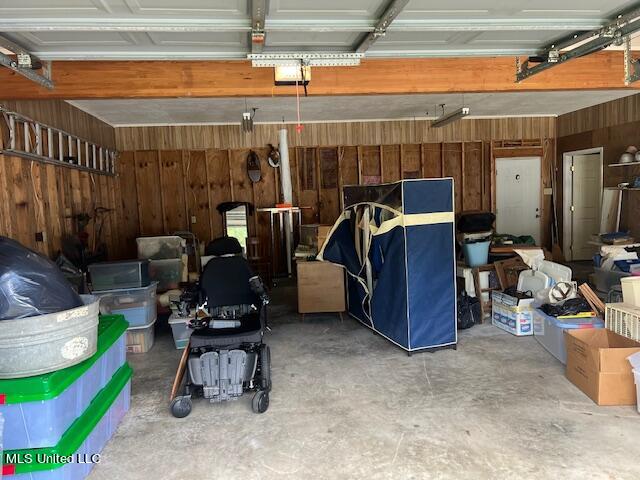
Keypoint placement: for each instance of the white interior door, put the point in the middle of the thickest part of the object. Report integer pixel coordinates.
(585, 187)
(518, 209)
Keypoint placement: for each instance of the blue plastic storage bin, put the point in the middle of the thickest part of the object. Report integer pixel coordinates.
(138, 305)
(549, 331)
(476, 254)
(81, 442)
(38, 410)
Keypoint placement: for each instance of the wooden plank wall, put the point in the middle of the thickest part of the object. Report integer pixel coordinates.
(171, 186)
(617, 112)
(614, 126)
(401, 132)
(40, 198)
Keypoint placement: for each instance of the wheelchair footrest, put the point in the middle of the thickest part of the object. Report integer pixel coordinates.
(220, 373)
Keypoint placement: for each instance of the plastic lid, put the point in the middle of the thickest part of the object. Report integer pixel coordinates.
(77, 433)
(50, 385)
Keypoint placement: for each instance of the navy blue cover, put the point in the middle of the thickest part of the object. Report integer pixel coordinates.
(413, 303)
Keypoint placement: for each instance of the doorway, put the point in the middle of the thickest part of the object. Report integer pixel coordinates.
(582, 201)
(518, 208)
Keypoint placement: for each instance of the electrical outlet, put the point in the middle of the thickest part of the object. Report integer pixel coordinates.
(39, 236)
(194, 219)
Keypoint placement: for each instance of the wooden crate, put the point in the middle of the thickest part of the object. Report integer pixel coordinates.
(320, 287)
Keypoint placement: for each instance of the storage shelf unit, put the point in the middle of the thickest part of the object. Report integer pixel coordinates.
(628, 164)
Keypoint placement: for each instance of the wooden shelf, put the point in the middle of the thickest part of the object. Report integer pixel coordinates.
(621, 188)
(628, 164)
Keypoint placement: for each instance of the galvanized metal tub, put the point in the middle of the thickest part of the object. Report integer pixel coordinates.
(46, 343)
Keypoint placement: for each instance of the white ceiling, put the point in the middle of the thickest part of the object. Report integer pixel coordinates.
(183, 111)
(211, 29)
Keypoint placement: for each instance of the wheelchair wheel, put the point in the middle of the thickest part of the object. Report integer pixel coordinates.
(260, 402)
(181, 407)
(265, 367)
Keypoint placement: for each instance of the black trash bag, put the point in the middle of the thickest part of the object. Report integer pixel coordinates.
(31, 284)
(475, 222)
(469, 312)
(573, 306)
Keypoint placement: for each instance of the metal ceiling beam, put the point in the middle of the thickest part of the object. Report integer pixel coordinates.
(583, 43)
(151, 24)
(258, 16)
(391, 12)
(25, 63)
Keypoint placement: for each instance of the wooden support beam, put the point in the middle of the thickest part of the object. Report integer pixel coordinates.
(165, 79)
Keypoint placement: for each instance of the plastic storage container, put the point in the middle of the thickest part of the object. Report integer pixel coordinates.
(38, 410)
(636, 376)
(124, 274)
(549, 331)
(181, 333)
(476, 254)
(631, 290)
(606, 279)
(138, 305)
(161, 248)
(140, 339)
(46, 343)
(85, 438)
(168, 273)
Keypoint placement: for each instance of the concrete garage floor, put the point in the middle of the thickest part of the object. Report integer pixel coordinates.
(348, 404)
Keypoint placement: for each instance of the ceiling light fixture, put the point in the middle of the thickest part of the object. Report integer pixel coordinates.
(247, 118)
(292, 74)
(450, 117)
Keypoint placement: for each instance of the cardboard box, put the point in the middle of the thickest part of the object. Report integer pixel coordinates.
(597, 364)
(314, 235)
(323, 233)
(512, 314)
(320, 287)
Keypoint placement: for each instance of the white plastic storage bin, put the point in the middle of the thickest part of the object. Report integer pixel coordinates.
(549, 331)
(636, 376)
(181, 333)
(138, 305)
(86, 438)
(511, 314)
(631, 290)
(141, 339)
(607, 279)
(39, 410)
(161, 248)
(46, 343)
(167, 273)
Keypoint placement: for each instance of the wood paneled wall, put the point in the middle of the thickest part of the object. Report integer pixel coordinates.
(39, 198)
(200, 137)
(172, 188)
(617, 112)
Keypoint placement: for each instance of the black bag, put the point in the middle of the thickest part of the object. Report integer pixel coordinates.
(31, 284)
(475, 222)
(468, 311)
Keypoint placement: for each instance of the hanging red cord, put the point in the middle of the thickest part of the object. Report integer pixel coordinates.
(299, 126)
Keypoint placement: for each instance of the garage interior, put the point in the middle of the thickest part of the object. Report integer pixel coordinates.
(381, 238)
